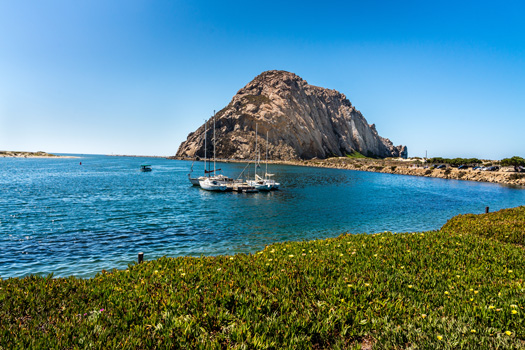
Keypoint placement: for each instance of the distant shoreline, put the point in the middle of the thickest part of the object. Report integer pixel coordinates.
(135, 156)
(19, 154)
(504, 176)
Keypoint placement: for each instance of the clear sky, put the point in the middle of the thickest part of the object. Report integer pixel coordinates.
(136, 76)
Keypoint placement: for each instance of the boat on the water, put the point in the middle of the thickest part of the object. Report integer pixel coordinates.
(210, 184)
(195, 181)
(260, 183)
(145, 168)
(215, 182)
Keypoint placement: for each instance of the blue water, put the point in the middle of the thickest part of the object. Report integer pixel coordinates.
(57, 216)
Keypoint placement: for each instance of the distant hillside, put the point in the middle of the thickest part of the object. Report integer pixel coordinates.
(303, 122)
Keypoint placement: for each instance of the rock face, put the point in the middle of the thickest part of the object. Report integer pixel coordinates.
(302, 122)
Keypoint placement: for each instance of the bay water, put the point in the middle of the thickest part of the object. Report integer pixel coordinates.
(62, 217)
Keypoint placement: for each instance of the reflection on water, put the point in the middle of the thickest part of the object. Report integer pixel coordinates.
(70, 219)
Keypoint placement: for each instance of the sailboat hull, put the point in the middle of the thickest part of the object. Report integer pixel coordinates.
(195, 180)
(212, 185)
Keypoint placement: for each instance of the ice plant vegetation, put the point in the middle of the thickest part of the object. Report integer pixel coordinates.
(318, 300)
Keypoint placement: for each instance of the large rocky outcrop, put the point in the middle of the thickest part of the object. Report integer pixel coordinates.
(302, 121)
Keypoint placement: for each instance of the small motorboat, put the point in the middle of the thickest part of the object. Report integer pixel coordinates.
(145, 168)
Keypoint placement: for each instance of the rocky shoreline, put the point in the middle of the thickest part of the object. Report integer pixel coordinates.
(504, 176)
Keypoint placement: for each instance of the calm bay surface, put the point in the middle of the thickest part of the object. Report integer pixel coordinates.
(60, 217)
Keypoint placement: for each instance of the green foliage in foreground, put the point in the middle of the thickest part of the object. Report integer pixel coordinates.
(507, 225)
(460, 287)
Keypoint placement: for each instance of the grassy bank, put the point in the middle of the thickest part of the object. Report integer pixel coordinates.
(460, 287)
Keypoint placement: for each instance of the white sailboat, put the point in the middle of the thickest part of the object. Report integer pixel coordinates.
(209, 184)
(215, 182)
(261, 184)
(270, 182)
(195, 181)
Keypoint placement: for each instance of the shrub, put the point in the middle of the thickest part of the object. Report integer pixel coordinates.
(355, 154)
(514, 161)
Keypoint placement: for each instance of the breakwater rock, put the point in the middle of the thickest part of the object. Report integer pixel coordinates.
(301, 121)
(505, 176)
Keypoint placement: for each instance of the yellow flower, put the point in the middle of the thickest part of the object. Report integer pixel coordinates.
(514, 312)
(231, 258)
(341, 254)
(473, 331)
(183, 274)
(375, 255)
(514, 306)
(491, 307)
(508, 333)
(446, 293)
(510, 271)
(471, 290)
(475, 292)
(410, 286)
(439, 337)
(457, 276)
(423, 315)
(367, 284)
(291, 256)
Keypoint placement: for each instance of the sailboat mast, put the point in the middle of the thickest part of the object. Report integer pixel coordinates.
(266, 171)
(205, 137)
(214, 141)
(255, 162)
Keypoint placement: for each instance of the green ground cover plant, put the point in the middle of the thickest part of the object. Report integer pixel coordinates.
(459, 287)
(355, 154)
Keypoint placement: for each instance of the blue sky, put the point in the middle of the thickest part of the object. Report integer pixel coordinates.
(135, 77)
